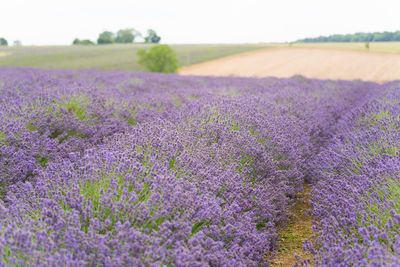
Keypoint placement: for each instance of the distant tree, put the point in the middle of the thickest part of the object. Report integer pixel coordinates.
(106, 37)
(17, 43)
(152, 37)
(160, 58)
(367, 45)
(127, 36)
(82, 42)
(3, 42)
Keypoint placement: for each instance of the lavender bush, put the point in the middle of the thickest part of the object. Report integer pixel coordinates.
(356, 198)
(118, 168)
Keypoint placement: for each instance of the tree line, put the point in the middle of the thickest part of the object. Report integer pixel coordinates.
(123, 36)
(356, 37)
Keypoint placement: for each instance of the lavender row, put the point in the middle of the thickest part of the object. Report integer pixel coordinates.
(119, 168)
(356, 200)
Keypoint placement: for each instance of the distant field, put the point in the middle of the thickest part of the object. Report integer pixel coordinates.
(383, 47)
(110, 57)
(309, 62)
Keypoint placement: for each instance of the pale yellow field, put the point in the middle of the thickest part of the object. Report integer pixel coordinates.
(309, 62)
(383, 47)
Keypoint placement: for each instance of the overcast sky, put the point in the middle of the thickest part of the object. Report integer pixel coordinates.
(58, 22)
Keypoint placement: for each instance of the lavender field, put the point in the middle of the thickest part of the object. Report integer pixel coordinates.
(114, 168)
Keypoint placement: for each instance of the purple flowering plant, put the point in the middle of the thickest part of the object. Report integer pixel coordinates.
(113, 168)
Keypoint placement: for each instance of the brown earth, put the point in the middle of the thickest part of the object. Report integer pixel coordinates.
(309, 62)
(295, 233)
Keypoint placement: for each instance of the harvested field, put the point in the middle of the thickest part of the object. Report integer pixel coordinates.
(309, 62)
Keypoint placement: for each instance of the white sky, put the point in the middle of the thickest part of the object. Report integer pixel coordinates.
(57, 22)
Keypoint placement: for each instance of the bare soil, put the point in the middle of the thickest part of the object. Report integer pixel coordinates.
(296, 232)
(309, 62)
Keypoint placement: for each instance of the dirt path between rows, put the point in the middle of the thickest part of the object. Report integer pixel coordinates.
(296, 232)
(309, 62)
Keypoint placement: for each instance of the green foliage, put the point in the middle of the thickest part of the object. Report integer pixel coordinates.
(7, 253)
(367, 45)
(77, 105)
(3, 42)
(42, 161)
(82, 42)
(392, 193)
(152, 37)
(160, 58)
(131, 121)
(3, 138)
(106, 37)
(377, 212)
(196, 227)
(126, 36)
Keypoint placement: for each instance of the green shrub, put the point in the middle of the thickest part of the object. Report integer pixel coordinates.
(160, 58)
